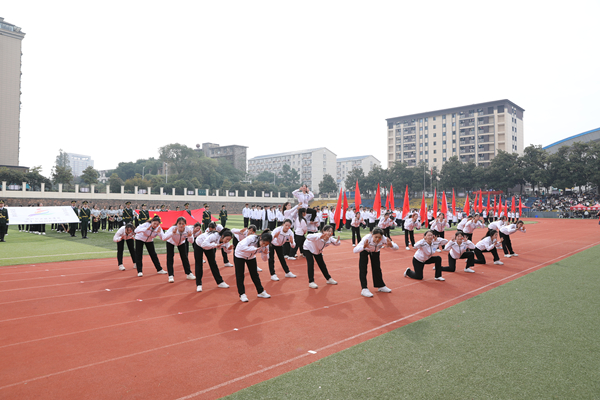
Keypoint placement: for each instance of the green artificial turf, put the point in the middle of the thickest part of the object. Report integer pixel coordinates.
(536, 337)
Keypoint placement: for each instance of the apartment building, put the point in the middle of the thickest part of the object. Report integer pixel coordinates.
(235, 154)
(10, 92)
(345, 165)
(473, 133)
(311, 164)
(79, 162)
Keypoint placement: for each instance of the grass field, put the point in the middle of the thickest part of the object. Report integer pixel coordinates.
(533, 338)
(28, 248)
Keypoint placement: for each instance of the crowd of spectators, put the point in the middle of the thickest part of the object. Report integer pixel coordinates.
(562, 204)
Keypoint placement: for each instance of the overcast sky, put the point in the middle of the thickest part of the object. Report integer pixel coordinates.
(118, 79)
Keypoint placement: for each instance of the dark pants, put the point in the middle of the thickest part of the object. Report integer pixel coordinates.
(84, 228)
(240, 267)
(246, 220)
(72, 229)
(223, 222)
(212, 263)
(418, 266)
(409, 235)
(375, 269)
(139, 254)
(310, 264)
(121, 248)
(356, 233)
(182, 254)
(224, 255)
(299, 240)
(103, 222)
(481, 257)
(3, 230)
(386, 232)
(438, 234)
(279, 251)
(506, 244)
(272, 225)
(452, 262)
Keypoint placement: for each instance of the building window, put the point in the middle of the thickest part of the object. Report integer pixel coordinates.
(435, 152)
(444, 159)
(425, 119)
(453, 140)
(421, 153)
(434, 143)
(443, 151)
(500, 109)
(434, 134)
(434, 118)
(453, 115)
(426, 128)
(434, 125)
(443, 116)
(421, 128)
(443, 125)
(435, 160)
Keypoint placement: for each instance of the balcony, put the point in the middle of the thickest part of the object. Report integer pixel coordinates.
(409, 147)
(485, 148)
(466, 115)
(464, 124)
(467, 158)
(466, 132)
(464, 142)
(467, 150)
(411, 163)
(410, 139)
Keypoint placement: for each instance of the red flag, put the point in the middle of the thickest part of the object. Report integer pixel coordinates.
(520, 208)
(338, 209)
(423, 212)
(444, 205)
(392, 205)
(387, 201)
(377, 202)
(406, 205)
(495, 206)
(435, 208)
(357, 200)
(345, 207)
(512, 205)
(197, 215)
(467, 209)
(453, 203)
(480, 202)
(476, 202)
(488, 204)
(505, 208)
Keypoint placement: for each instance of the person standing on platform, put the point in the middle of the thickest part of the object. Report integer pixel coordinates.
(84, 216)
(73, 226)
(206, 217)
(128, 214)
(223, 216)
(3, 221)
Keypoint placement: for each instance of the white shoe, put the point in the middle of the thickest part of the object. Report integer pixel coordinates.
(406, 272)
(290, 275)
(366, 293)
(223, 285)
(313, 285)
(330, 281)
(433, 267)
(199, 288)
(300, 255)
(469, 270)
(121, 267)
(203, 261)
(244, 298)
(140, 274)
(515, 255)
(259, 269)
(507, 255)
(408, 248)
(292, 258)
(438, 251)
(384, 289)
(43, 233)
(171, 279)
(440, 279)
(263, 295)
(353, 245)
(228, 265)
(286, 257)
(162, 272)
(274, 278)
(190, 276)
(498, 263)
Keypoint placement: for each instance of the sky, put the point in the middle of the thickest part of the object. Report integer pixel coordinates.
(118, 79)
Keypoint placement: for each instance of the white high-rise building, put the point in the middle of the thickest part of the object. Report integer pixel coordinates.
(345, 165)
(79, 162)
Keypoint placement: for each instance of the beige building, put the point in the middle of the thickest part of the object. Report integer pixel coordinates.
(10, 92)
(472, 133)
(345, 165)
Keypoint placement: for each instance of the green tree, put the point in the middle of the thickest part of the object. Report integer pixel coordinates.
(62, 160)
(289, 176)
(504, 171)
(62, 175)
(115, 183)
(581, 163)
(90, 176)
(451, 175)
(534, 165)
(558, 169)
(328, 184)
(11, 177)
(266, 176)
(35, 178)
(176, 155)
(357, 174)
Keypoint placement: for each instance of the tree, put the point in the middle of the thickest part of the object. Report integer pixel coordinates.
(62, 160)
(177, 155)
(357, 174)
(534, 165)
(328, 184)
(90, 175)
(504, 171)
(452, 173)
(11, 177)
(581, 163)
(289, 176)
(266, 176)
(35, 178)
(115, 183)
(62, 175)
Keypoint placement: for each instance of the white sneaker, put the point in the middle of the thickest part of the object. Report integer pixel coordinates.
(292, 258)
(507, 255)
(43, 233)
(366, 293)
(203, 261)
(515, 255)
(384, 289)
(313, 285)
(190, 276)
(438, 251)
(353, 245)
(171, 279)
(498, 263)
(223, 285)
(433, 267)
(140, 274)
(228, 265)
(244, 298)
(408, 248)
(263, 295)
(469, 270)
(330, 281)
(440, 279)
(259, 269)
(300, 255)
(274, 278)
(199, 288)
(286, 257)
(121, 267)
(406, 272)
(162, 272)
(290, 275)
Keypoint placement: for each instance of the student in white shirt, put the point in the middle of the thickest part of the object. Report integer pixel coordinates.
(313, 250)
(210, 241)
(281, 235)
(177, 236)
(324, 216)
(473, 222)
(372, 219)
(386, 222)
(410, 224)
(272, 216)
(305, 196)
(496, 225)
(349, 217)
(245, 255)
(300, 228)
(457, 250)
(357, 221)
(370, 246)
(489, 243)
(125, 235)
(241, 234)
(144, 236)
(246, 212)
(505, 233)
(439, 225)
(279, 216)
(426, 248)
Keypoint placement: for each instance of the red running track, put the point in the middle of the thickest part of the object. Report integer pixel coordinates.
(83, 329)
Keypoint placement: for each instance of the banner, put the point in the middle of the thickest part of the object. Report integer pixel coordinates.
(41, 215)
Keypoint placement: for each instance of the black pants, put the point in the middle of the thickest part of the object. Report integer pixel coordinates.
(299, 240)
(223, 222)
(356, 234)
(418, 266)
(371, 226)
(182, 254)
(481, 257)
(452, 262)
(310, 264)
(72, 229)
(139, 254)
(103, 222)
(506, 244)
(469, 236)
(348, 222)
(246, 220)
(386, 232)
(375, 269)
(3, 229)
(279, 251)
(212, 263)
(438, 234)
(409, 235)
(272, 225)
(224, 255)
(84, 228)
(121, 248)
(240, 269)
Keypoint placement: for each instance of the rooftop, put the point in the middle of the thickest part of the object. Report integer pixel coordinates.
(290, 153)
(355, 158)
(571, 137)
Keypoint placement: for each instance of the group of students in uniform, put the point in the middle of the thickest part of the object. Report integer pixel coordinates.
(300, 228)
